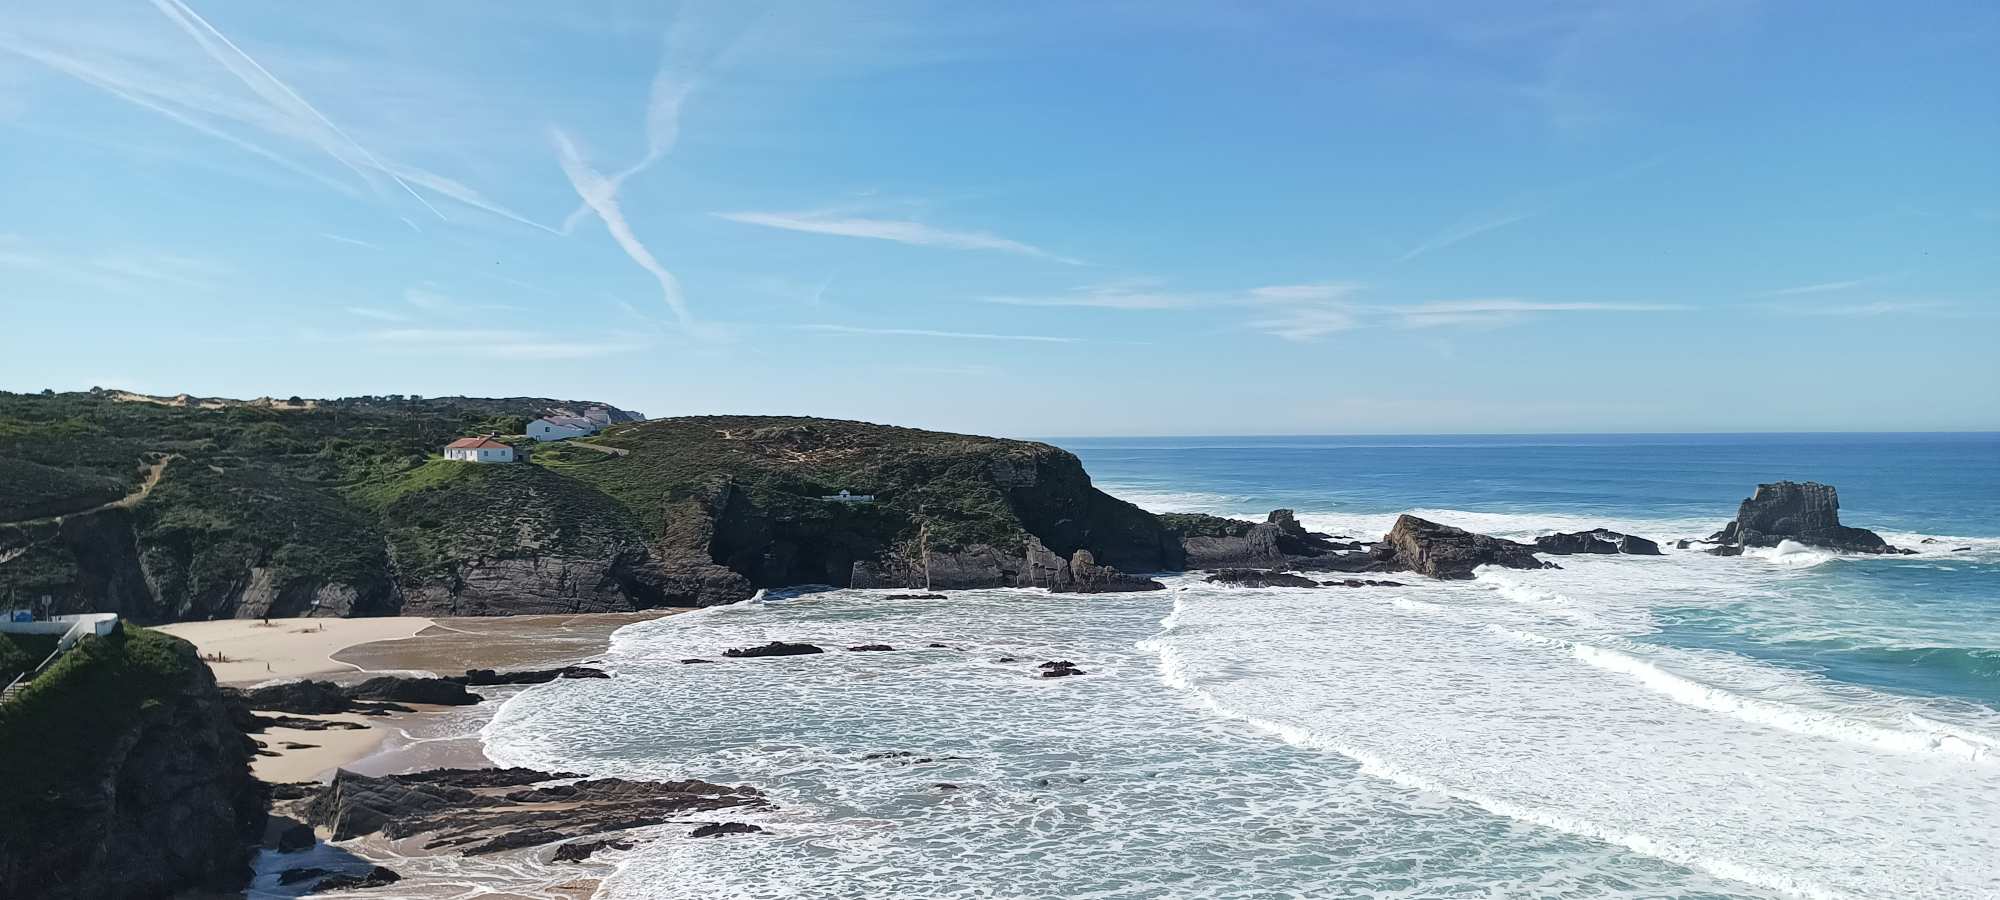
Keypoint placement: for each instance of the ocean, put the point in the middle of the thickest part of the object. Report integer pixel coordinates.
(1791, 723)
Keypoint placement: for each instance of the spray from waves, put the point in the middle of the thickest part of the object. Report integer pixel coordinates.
(1175, 674)
(1792, 555)
(1933, 737)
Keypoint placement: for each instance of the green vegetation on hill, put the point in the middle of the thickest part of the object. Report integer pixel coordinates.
(47, 738)
(442, 512)
(22, 652)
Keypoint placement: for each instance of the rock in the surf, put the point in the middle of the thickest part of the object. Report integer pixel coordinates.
(774, 648)
(1596, 540)
(1441, 551)
(1260, 578)
(1807, 512)
(1278, 542)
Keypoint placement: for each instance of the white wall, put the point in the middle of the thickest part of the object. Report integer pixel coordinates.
(543, 430)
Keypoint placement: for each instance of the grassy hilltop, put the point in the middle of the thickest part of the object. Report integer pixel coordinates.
(168, 510)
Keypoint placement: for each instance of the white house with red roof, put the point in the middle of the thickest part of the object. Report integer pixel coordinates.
(483, 449)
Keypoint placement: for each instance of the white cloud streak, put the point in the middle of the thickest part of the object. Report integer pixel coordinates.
(1464, 230)
(1825, 287)
(342, 239)
(926, 332)
(331, 138)
(601, 195)
(379, 315)
(896, 230)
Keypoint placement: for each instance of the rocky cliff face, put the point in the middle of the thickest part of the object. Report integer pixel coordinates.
(128, 777)
(1806, 512)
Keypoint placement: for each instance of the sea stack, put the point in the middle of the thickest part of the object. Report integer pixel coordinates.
(1807, 512)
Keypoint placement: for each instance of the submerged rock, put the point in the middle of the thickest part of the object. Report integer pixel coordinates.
(1260, 578)
(1441, 551)
(719, 829)
(1806, 512)
(1361, 582)
(578, 851)
(1597, 540)
(774, 648)
(915, 597)
(1060, 668)
(870, 648)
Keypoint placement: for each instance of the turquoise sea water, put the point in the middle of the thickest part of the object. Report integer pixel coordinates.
(1791, 723)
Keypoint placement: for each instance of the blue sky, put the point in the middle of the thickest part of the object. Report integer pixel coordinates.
(1032, 219)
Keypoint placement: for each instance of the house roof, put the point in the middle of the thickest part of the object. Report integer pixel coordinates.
(476, 443)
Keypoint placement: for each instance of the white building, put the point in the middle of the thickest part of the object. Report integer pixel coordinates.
(556, 428)
(845, 497)
(479, 450)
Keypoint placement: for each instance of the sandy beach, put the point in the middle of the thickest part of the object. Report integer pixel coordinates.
(245, 652)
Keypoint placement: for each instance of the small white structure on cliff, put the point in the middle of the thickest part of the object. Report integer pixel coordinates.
(845, 497)
(479, 450)
(556, 428)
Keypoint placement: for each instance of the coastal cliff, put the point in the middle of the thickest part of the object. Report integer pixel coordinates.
(128, 777)
(165, 511)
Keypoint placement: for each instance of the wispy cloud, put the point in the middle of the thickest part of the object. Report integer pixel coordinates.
(430, 298)
(342, 239)
(897, 230)
(130, 272)
(149, 75)
(1876, 308)
(601, 195)
(1309, 311)
(1464, 229)
(330, 137)
(1824, 287)
(926, 332)
(379, 315)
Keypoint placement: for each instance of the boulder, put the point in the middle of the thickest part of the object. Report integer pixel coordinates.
(296, 837)
(870, 648)
(1260, 578)
(774, 648)
(1059, 668)
(1807, 512)
(1441, 551)
(1361, 582)
(1598, 540)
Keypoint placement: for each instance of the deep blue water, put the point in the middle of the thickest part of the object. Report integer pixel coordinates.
(1926, 625)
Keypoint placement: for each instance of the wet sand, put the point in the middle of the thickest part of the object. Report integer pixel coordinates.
(349, 650)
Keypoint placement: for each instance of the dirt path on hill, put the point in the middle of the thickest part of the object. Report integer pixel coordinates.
(152, 480)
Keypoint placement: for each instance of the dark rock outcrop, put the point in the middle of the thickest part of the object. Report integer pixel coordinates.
(985, 566)
(488, 677)
(400, 689)
(774, 648)
(379, 876)
(1059, 668)
(1598, 540)
(578, 851)
(1806, 512)
(1361, 582)
(474, 811)
(1441, 551)
(870, 648)
(1260, 578)
(306, 698)
(720, 829)
(1279, 542)
(129, 777)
